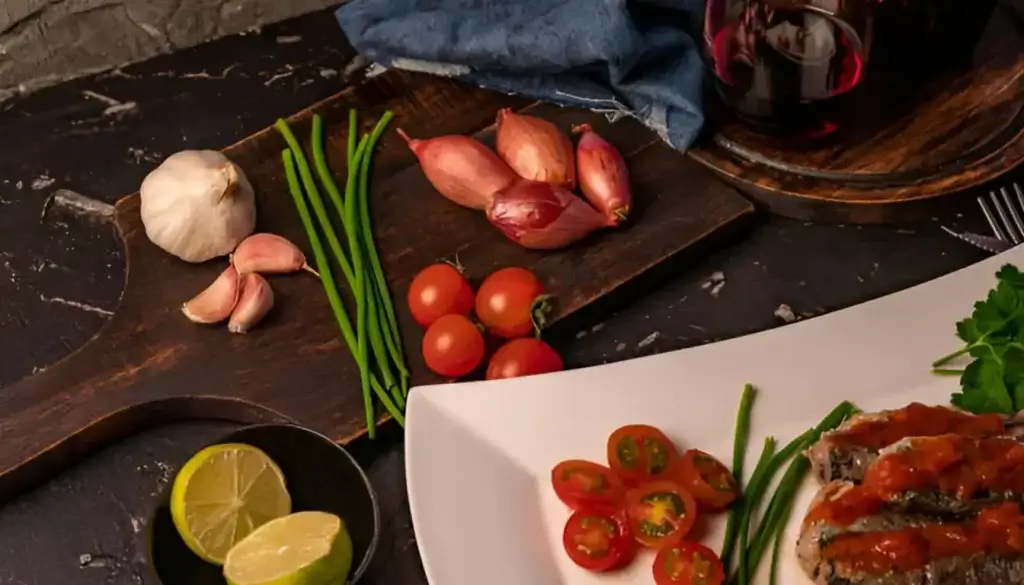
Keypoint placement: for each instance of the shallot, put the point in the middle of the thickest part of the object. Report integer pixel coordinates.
(269, 254)
(461, 168)
(603, 176)
(535, 149)
(254, 302)
(197, 205)
(216, 302)
(542, 216)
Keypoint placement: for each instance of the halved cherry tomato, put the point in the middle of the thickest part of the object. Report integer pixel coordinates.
(660, 513)
(688, 563)
(710, 482)
(583, 484)
(598, 541)
(439, 290)
(641, 453)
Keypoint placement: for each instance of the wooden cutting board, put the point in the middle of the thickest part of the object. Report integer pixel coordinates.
(149, 364)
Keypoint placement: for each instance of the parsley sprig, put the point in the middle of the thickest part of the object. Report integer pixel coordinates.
(994, 337)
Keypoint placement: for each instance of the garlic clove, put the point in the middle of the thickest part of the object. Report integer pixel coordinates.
(268, 254)
(215, 303)
(254, 302)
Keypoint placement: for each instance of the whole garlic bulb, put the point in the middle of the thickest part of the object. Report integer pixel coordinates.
(197, 205)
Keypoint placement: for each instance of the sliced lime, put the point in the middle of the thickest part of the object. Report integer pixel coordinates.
(304, 548)
(224, 493)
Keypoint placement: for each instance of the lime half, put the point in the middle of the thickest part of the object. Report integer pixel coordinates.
(224, 493)
(304, 548)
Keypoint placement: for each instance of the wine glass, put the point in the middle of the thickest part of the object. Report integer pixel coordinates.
(786, 66)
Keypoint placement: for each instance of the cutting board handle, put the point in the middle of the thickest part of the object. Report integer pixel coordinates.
(125, 379)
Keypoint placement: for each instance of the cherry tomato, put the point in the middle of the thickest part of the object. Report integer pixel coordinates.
(641, 453)
(453, 346)
(509, 301)
(598, 541)
(660, 513)
(583, 484)
(523, 357)
(710, 482)
(439, 290)
(688, 563)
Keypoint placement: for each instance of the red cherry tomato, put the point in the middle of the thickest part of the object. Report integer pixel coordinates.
(523, 357)
(586, 485)
(710, 482)
(453, 346)
(641, 453)
(439, 290)
(688, 563)
(598, 541)
(661, 513)
(508, 302)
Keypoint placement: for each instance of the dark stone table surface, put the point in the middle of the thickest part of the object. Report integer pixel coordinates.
(60, 280)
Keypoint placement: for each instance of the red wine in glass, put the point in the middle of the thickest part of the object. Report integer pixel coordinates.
(784, 69)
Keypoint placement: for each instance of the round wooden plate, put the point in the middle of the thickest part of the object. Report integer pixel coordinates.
(903, 146)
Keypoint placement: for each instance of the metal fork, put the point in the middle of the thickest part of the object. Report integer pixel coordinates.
(1006, 222)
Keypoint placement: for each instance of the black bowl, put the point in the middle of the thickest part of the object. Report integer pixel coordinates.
(320, 475)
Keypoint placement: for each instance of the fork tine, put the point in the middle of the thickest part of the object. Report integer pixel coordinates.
(1006, 223)
(1012, 206)
(992, 222)
(1020, 195)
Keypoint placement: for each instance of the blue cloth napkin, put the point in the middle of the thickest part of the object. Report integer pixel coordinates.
(621, 57)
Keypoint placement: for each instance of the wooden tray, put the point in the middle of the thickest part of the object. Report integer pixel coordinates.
(149, 364)
(907, 143)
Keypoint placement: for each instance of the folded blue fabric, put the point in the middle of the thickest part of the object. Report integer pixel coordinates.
(620, 57)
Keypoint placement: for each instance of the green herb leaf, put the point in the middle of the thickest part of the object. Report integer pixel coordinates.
(967, 330)
(994, 338)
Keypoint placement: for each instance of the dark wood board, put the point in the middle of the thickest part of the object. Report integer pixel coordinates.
(909, 139)
(150, 365)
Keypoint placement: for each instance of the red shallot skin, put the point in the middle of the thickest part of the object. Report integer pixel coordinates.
(535, 149)
(603, 175)
(461, 168)
(542, 216)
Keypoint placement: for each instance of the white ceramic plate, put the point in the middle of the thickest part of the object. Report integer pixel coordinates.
(479, 455)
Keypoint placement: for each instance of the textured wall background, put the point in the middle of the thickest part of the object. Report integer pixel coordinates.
(47, 41)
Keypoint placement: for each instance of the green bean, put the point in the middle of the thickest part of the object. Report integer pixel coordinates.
(358, 215)
(358, 285)
(333, 297)
(774, 570)
(359, 290)
(778, 507)
(739, 453)
(758, 483)
(323, 170)
(395, 349)
(393, 337)
(742, 437)
(314, 199)
(377, 344)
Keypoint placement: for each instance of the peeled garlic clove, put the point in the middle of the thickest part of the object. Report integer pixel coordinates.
(197, 205)
(255, 301)
(216, 302)
(268, 254)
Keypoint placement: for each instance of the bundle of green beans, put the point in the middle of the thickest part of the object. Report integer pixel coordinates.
(742, 536)
(375, 343)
